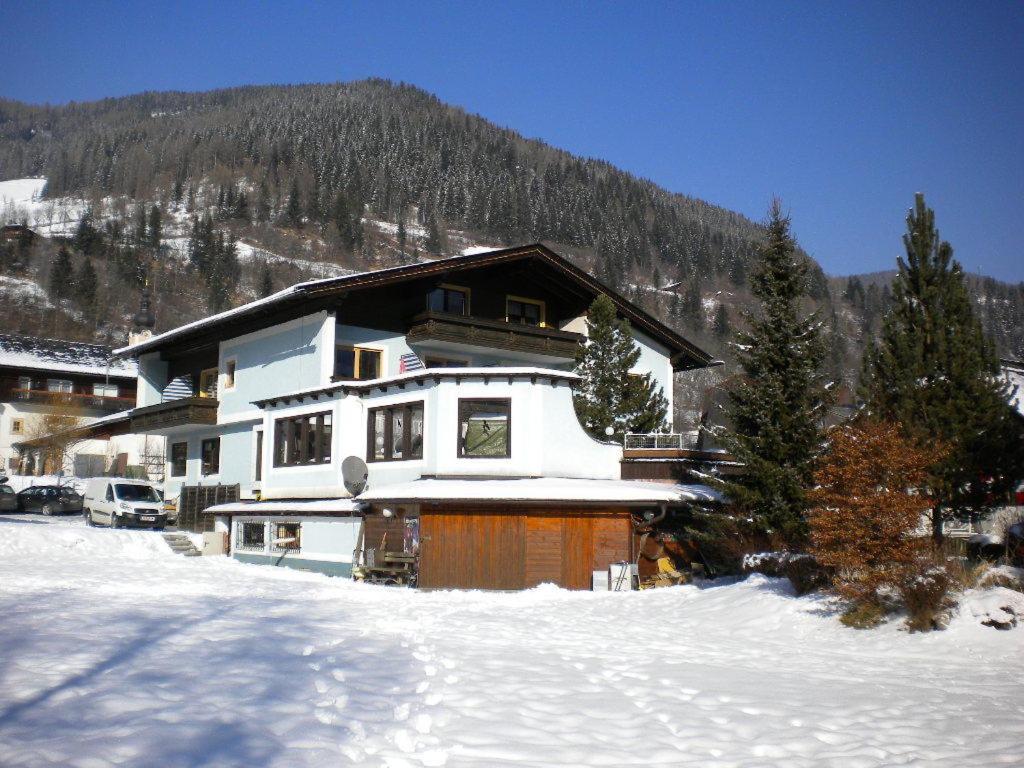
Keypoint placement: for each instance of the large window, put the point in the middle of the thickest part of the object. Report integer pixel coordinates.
(485, 429)
(209, 455)
(178, 459)
(356, 363)
(58, 385)
(452, 299)
(251, 536)
(396, 433)
(304, 439)
(524, 311)
(105, 390)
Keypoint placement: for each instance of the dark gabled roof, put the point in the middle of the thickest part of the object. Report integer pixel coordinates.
(684, 353)
(58, 355)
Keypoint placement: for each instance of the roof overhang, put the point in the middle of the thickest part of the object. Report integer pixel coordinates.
(289, 507)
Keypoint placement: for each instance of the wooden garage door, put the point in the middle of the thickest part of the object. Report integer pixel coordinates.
(471, 550)
(514, 548)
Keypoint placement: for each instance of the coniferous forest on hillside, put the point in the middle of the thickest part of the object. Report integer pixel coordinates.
(217, 198)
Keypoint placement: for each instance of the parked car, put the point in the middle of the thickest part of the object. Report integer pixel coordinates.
(49, 499)
(8, 498)
(122, 503)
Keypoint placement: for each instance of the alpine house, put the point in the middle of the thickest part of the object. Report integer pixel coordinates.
(412, 424)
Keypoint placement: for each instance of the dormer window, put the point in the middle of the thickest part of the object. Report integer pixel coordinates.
(524, 311)
(452, 299)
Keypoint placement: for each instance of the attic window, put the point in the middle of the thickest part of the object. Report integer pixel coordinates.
(524, 311)
(451, 299)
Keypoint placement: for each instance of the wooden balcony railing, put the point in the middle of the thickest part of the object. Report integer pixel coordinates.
(74, 400)
(175, 413)
(497, 334)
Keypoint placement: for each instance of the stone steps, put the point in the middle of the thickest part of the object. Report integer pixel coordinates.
(181, 544)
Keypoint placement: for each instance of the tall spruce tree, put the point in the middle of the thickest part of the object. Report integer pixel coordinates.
(85, 289)
(608, 395)
(777, 406)
(934, 371)
(60, 274)
(154, 230)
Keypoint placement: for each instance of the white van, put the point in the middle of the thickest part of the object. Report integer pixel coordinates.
(123, 503)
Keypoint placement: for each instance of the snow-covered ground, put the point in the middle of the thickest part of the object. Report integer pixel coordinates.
(117, 652)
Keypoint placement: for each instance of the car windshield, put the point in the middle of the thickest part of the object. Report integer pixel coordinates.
(6, 489)
(127, 492)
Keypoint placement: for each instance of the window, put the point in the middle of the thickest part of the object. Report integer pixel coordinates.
(395, 432)
(229, 374)
(356, 363)
(17, 426)
(304, 439)
(444, 362)
(485, 429)
(524, 311)
(24, 382)
(452, 299)
(209, 456)
(178, 459)
(287, 536)
(208, 383)
(58, 385)
(259, 455)
(251, 536)
(105, 390)
(110, 493)
(131, 492)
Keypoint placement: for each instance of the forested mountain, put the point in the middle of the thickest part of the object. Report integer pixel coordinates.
(256, 187)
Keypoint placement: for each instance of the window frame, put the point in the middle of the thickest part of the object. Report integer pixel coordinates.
(240, 536)
(208, 376)
(467, 402)
(60, 386)
(466, 292)
(542, 315)
(358, 350)
(276, 526)
(208, 469)
(105, 389)
(230, 376)
(407, 409)
(171, 459)
(289, 442)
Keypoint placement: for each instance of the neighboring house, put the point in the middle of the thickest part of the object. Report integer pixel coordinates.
(452, 380)
(10, 233)
(47, 383)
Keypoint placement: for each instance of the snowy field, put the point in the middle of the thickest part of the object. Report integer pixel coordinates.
(117, 652)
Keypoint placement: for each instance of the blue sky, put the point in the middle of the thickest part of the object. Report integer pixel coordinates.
(844, 110)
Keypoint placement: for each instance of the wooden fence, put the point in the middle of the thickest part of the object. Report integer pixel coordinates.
(196, 499)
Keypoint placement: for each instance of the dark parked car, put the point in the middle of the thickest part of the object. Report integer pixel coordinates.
(49, 500)
(8, 499)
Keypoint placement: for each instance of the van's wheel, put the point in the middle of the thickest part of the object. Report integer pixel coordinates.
(47, 510)
(113, 521)
(88, 518)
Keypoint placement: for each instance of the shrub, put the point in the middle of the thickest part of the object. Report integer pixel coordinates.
(866, 614)
(926, 597)
(867, 507)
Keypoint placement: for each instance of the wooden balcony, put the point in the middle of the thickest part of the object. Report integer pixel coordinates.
(495, 334)
(85, 401)
(188, 411)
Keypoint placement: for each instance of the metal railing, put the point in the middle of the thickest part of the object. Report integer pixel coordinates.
(655, 441)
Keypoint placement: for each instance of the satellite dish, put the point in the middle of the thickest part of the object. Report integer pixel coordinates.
(353, 474)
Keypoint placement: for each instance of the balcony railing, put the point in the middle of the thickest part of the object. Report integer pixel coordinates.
(175, 413)
(658, 441)
(497, 334)
(74, 400)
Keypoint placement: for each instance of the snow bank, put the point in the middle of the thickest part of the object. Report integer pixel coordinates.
(118, 656)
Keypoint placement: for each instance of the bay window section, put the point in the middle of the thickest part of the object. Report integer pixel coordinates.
(395, 432)
(485, 429)
(301, 440)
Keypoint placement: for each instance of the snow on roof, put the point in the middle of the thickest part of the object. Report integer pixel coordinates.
(301, 507)
(63, 356)
(496, 372)
(542, 489)
(272, 299)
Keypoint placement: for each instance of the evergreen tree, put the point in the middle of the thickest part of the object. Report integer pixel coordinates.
(85, 289)
(87, 238)
(60, 275)
(934, 371)
(401, 234)
(776, 408)
(608, 395)
(154, 229)
(721, 322)
(433, 244)
(293, 213)
(266, 281)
